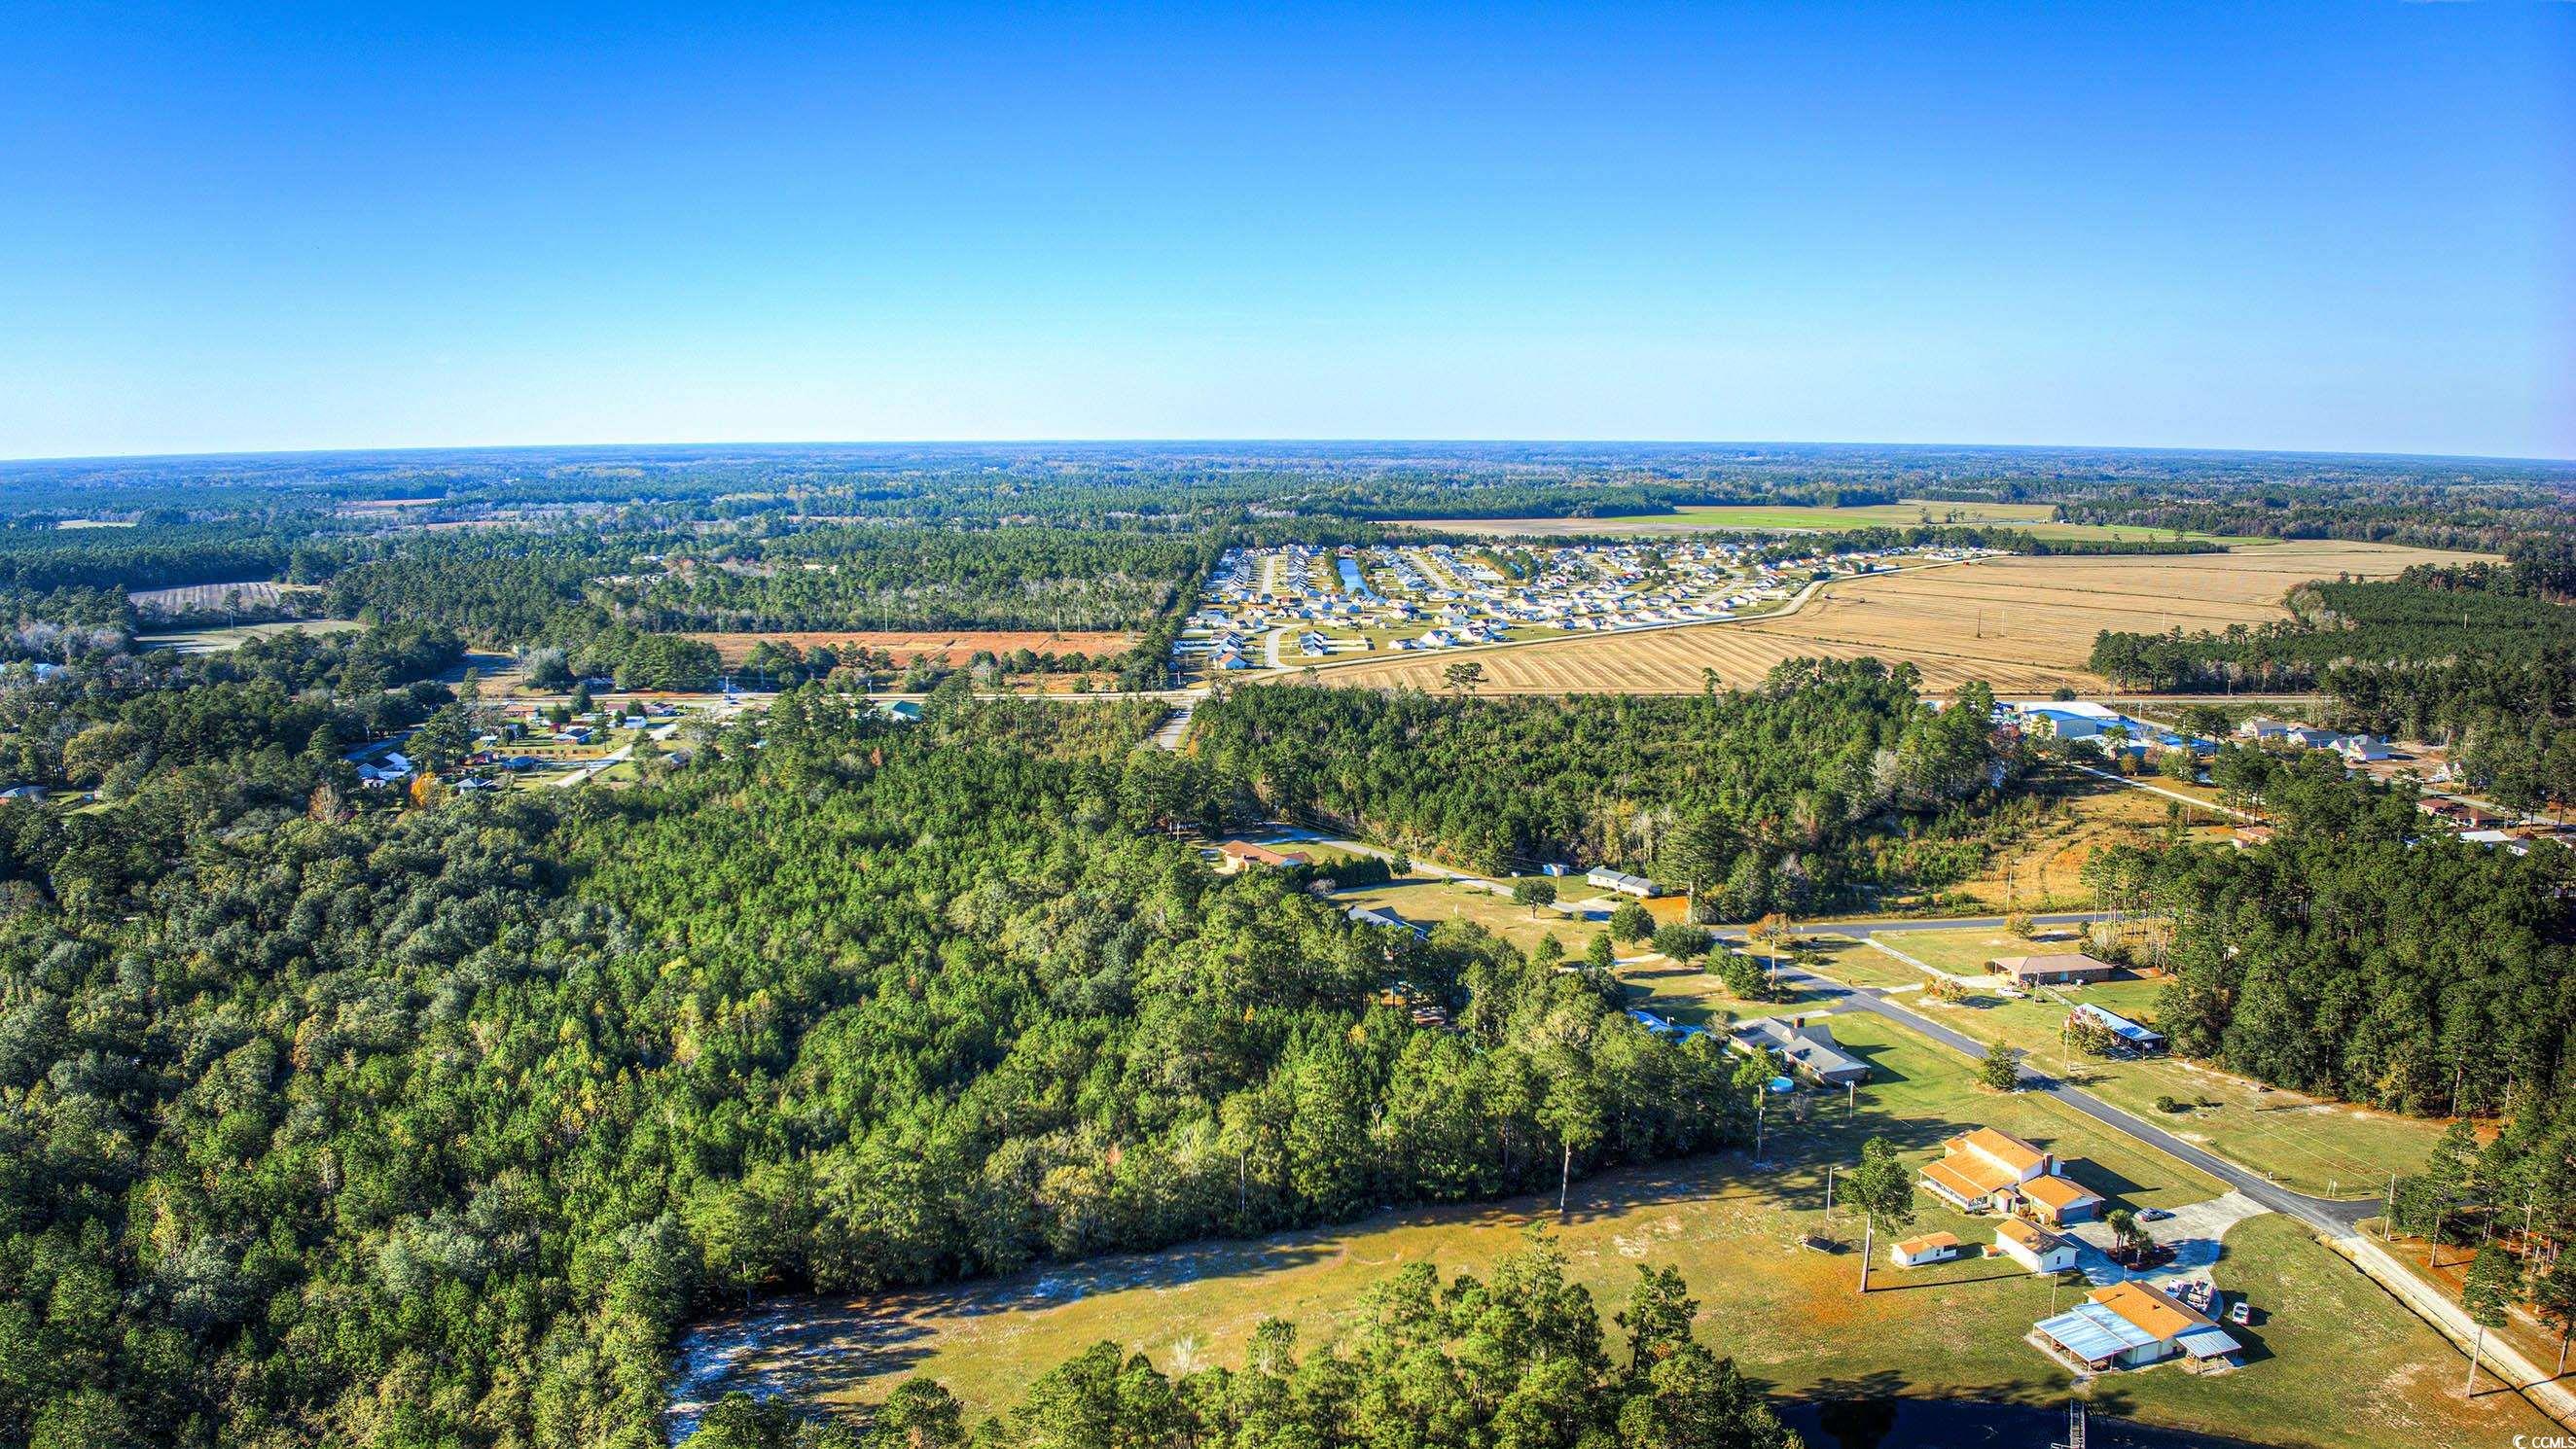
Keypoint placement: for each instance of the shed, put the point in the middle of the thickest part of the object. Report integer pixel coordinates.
(1930, 1248)
(2135, 1037)
(2033, 1246)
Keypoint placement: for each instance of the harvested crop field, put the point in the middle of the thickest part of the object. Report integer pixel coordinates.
(2023, 625)
(953, 646)
(249, 596)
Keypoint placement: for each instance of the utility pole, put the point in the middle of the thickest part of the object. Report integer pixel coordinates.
(1829, 1194)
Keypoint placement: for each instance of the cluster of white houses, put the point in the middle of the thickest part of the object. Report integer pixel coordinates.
(1354, 599)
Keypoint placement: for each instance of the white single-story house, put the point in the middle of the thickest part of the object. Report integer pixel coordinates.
(2133, 1036)
(1622, 882)
(1808, 1047)
(1930, 1248)
(1386, 920)
(2033, 1246)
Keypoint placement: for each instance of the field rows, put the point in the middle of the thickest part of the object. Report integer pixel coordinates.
(249, 596)
(2023, 625)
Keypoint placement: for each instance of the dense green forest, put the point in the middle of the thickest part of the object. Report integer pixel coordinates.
(158, 552)
(110, 720)
(2357, 954)
(1785, 797)
(2478, 657)
(431, 1127)
(907, 578)
(1519, 1361)
(2431, 614)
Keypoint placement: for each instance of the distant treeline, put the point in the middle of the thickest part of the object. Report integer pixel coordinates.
(2433, 632)
(2476, 507)
(869, 577)
(1985, 535)
(1107, 483)
(159, 555)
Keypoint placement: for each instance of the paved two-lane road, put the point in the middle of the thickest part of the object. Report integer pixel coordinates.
(2335, 1220)
(2324, 1214)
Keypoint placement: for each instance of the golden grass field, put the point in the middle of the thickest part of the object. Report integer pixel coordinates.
(2044, 871)
(214, 640)
(2334, 1363)
(2023, 625)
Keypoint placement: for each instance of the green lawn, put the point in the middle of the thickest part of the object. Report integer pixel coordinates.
(1965, 953)
(1695, 997)
(1429, 900)
(1862, 964)
(2337, 1362)
(2307, 1144)
(222, 639)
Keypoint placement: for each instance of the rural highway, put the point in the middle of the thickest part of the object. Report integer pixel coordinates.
(2326, 1214)
(2337, 1221)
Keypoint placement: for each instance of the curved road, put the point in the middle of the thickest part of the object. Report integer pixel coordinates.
(2325, 1214)
(2336, 1221)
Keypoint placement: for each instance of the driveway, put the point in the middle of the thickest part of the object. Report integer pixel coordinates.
(2192, 1232)
(2337, 1222)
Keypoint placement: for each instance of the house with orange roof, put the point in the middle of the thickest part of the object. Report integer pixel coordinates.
(1993, 1171)
(1930, 1248)
(2056, 1199)
(1236, 855)
(2033, 1246)
(2131, 1325)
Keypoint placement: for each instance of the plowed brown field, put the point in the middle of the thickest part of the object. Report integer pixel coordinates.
(2023, 625)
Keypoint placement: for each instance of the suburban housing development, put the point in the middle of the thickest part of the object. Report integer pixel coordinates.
(1297, 604)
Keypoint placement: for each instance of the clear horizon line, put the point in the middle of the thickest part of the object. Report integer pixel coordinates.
(1217, 441)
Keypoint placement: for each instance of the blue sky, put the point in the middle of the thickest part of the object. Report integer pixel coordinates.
(2345, 226)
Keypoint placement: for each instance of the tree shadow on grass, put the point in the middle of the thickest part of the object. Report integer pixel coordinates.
(1875, 1411)
(1877, 1287)
(2101, 1179)
(1875, 1055)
